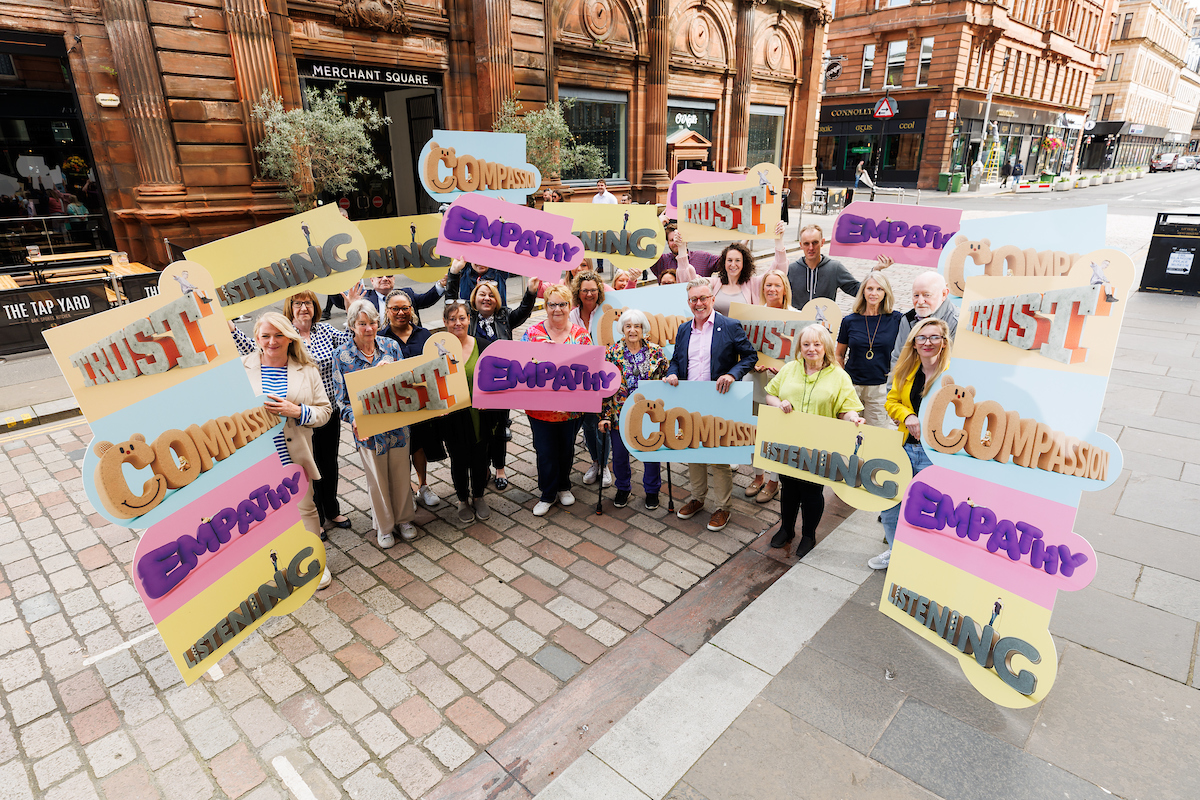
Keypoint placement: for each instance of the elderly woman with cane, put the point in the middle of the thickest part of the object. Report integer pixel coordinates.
(638, 360)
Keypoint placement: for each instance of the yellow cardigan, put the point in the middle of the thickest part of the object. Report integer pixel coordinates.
(898, 403)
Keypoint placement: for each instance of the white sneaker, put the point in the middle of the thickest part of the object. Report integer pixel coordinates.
(542, 508)
(426, 497)
(326, 579)
(880, 561)
(607, 477)
(566, 499)
(408, 531)
(589, 477)
(386, 540)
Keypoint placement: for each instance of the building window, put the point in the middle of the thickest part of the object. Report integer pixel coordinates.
(1125, 26)
(868, 66)
(926, 61)
(1108, 101)
(1094, 110)
(1116, 70)
(598, 118)
(692, 115)
(7, 69)
(897, 51)
(765, 143)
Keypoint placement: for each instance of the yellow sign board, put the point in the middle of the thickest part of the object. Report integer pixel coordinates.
(734, 210)
(404, 246)
(627, 235)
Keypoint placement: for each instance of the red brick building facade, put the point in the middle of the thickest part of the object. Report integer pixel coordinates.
(938, 59)
(727, 83)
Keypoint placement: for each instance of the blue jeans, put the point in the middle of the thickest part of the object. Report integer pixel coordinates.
(591, 436)
(623, 474)
(916, 455)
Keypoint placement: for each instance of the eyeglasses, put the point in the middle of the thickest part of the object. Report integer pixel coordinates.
(935, 339)
(557, 305)
(303, 304)
(394, 309)
(589, 291)
(702, 299)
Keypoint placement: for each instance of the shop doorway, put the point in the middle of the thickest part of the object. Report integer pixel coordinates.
(50, 197)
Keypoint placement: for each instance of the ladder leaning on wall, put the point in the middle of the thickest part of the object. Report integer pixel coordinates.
(991, 170)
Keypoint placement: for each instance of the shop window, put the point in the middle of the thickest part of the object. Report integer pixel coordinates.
(598, 118)
(903, 152)
(897, 51)
(826, 152)
(1116, 67)
(926, 61)
(690, 115)
(766, 135)
(868, 66)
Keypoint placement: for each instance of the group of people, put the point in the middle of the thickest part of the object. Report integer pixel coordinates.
(877, 369)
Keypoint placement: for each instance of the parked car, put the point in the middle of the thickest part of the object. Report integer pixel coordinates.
(1165, 162)
(1186, 162)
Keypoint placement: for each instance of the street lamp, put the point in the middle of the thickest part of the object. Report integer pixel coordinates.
(987, 112)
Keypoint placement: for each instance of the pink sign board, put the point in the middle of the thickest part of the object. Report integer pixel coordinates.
(909, 234)
(507, 236)
(687, 176)
(1019, 542)
(543, 376)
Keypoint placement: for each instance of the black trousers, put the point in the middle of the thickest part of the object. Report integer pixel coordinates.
(800, 497)
(325, 441)
(469, 452)
(497, 446)
(554, 443)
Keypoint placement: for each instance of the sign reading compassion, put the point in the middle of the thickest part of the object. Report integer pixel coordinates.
(542, 376)
(454, 163)
(510, 237)
(689, 423)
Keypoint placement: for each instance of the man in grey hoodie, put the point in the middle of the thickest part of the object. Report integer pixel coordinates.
(814, 274)
(930, 295)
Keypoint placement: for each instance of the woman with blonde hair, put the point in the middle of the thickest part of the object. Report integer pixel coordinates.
(776, 293)
(923, 359)
(282, 369)
(587, 296)
(812, 384)
(865, 343)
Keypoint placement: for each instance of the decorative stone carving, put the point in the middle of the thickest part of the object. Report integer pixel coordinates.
(818, 16)
(597, 17)
(386, 15)
(699, 38)
(774, 49)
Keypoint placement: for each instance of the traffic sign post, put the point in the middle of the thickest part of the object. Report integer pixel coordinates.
(886, 108)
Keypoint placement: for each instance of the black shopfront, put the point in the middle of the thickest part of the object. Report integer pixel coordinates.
(847, 135)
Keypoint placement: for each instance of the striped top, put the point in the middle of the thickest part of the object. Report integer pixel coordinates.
(274, 381)
(323, 340)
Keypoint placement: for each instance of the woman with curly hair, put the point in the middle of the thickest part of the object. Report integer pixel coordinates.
(587, 296)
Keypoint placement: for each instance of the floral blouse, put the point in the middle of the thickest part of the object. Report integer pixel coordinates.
(538, 333)
(323, 341)
(650, 364)
(348, 358)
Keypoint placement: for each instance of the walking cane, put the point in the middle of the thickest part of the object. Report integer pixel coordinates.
(670, 489)
(604, 444)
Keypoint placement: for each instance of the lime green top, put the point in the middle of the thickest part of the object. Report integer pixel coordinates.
(828, 393)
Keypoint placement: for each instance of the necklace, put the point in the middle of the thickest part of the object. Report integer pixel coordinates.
(810, 388)
(871, 339)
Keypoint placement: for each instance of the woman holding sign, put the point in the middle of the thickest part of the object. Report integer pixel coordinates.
(554, 431)
(468, 430)
(812, 384)
(732, 280)
(282, 370)
(776, 293)
(924, 356)
(587, 296)
(638, 360)
(865, 343)
(384, 455)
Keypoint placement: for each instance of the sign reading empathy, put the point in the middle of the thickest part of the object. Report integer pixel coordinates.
(747, 208)
(665, 307)
(689, 423)
(318, 250)
(216, 569)
(866, 466)
(775, 332)
(510, 237)
(404, 246)
(410, 391)
(629, 236)
(542, 376)
(909, 234)
(454, 163)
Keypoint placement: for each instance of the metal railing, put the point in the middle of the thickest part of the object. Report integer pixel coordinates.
(52, 235)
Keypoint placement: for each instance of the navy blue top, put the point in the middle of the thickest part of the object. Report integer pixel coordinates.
(876, 334)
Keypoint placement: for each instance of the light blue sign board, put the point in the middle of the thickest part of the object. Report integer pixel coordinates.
(215, 393)
(656, 302)
(1067, 402)
(1069, 230)
(698, 396)
(507, 149)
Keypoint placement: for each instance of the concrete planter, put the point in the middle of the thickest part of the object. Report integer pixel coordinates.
(1082, 183)
(1120, 177)
(1096, 180)
(1062, 186)
(1032, 187)
(1109, 177)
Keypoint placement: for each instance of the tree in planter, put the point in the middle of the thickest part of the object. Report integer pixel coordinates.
(318, 149)
(549, 143)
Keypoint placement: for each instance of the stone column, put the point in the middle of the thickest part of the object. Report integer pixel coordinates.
(493, 57)
(739, 111)
(807, 105)
(252, 45)
(658, 14)
(142, 97)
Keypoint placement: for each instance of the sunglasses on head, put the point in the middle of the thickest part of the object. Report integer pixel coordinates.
(456, 302)
(488, 282)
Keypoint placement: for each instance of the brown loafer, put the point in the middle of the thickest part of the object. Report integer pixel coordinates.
(769, 490)
(690, 509)
(755, 486)
(718, 520)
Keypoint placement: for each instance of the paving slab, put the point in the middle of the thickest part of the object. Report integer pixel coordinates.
(1101, 706)
(958, 762)
(589, 777)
